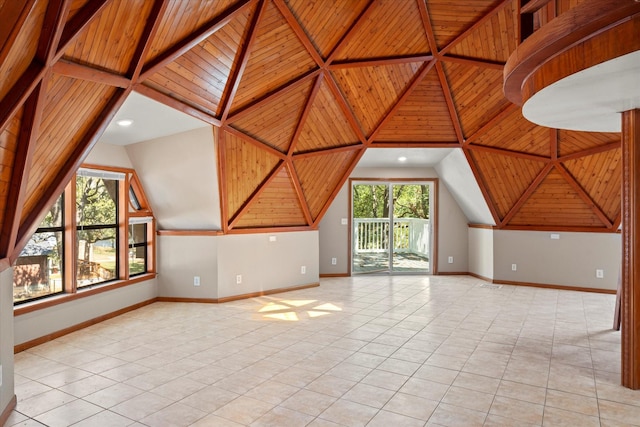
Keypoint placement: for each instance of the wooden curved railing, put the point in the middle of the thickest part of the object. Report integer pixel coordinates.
(590, 33)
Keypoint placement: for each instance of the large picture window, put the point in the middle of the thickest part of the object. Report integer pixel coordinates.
(98, 232)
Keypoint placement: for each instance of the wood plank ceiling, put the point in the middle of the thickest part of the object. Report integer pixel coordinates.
(297, 90)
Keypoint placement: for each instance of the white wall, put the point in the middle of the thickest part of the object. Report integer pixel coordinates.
(481, 252)
(109, 155)
(452, 224)
(263, 264)
(179, 176)
(6, 338)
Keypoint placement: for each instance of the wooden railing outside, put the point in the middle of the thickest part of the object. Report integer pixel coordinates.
(410, 235)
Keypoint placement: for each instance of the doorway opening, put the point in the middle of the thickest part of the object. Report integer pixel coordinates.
(392, 226)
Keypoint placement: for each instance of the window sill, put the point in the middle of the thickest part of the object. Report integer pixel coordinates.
(80, 293)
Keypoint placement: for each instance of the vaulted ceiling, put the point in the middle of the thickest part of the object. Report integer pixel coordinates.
(296, 91)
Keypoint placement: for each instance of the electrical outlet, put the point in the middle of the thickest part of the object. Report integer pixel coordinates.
(514, 267)
(344, 221)
(272, 238)
(303, 270)
(196, 280)
(450, 260)
(334, 261)
(599, 273)
(238, 279)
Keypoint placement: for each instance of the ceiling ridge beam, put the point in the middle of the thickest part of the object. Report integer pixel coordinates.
(297, 185)
(473, 62)
(234, 81)
(381, 61)
(590, 151)
(248, 138)
(483, 186)
(255, 194)
(79, 21)
(489, 125)
(448, 96)
(176, 104)
(497, 8)
(199, 35)
(20, 170)
(268, 97)
(417, 79)
(144, 44)
(586, 197)
(507, 152)
(346, 109)
(7, 43)
(349, 34)
(56, 186)
(326, 151)
(535, 184)
(299, 32)
(428, 29)
(343, 179)
(75, 70)
(305, 114)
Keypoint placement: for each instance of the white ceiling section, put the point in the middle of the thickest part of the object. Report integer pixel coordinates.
(151, 120)
(415, 157)
(590, 100)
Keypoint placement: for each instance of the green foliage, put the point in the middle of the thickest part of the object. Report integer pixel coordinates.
(409, 201)
(96, 205)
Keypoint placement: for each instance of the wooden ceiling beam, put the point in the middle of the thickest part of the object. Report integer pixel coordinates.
(344, 105)
(299, 192)
(52, 28)
(144, 44)
(20, 170)
(326, 151)
(20, 91)
(527, 193)
(553, 143)
(426, 67)
(377, 62)
(507, 152)
(446, 91)
(234, 81)
(350, 33)
(608, 223)
(176, 104)
(428, 29)
(590, 151)
(79, 21)
(491, 123)
(88, 73)
(482, 185)
(414, 144)
(474, 62)
(299, 32)
(9, 33)
(480, 22)
(68, 169)
(187, 43)
(304, 116)
(247, 109)
(255, 142)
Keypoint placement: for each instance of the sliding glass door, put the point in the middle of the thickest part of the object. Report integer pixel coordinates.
(391, 227)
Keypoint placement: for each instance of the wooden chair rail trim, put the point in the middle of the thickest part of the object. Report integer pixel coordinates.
(576, 25)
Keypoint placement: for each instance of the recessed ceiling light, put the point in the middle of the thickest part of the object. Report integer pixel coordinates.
(124, 123)
(402, 159)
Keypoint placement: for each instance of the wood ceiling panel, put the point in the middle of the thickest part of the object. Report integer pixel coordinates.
(423, 116)
(570, 142)
(75, 6)
(276, 205)
(450, 19)
(199, 77)
(183, 18)
(71, 107)
(373, 91)
(8, 147)
(245, 168)
(320, 175)
(401, 35)
(516, 133)
(600, 175)
(16, 57)
(493, 41)
(107, 45)
(555, 203)
(326, 126)
(506, 177)
(277, 56)
(274, 122)
(564, 5)
(477, 94)
(326, 22)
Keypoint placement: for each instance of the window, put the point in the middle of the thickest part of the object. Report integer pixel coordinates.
(99, 231)
(38, 272)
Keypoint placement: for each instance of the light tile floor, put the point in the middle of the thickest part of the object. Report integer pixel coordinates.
(375, 351)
